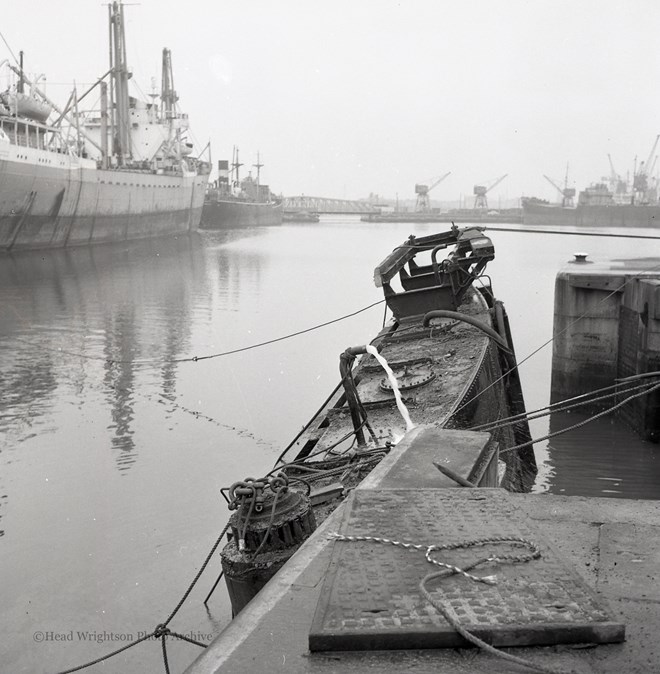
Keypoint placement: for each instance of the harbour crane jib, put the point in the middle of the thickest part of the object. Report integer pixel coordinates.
(480, 192)
(423, 203)
(567, 193)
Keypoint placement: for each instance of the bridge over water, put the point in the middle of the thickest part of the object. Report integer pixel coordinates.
(324, 205)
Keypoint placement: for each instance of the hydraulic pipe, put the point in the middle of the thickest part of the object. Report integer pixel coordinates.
(499, 318)
(456, 316)
(345, 363)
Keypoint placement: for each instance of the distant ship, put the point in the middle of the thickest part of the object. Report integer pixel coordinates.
(231, 203)
(300, 216)
(611, 202)
(120, 173)
(462, 215)
(596, 207)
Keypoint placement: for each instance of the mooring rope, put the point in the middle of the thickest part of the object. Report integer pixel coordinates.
(159, 362)
(559, 406)
(450, 569)
(567, 233)
(586, 314)
(161, 631)
(584, 422)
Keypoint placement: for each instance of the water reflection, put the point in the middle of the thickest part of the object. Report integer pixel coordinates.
(119, 381)
(619, 464)
(68, 316)
(113, 452)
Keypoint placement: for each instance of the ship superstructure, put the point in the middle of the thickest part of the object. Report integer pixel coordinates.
(231, 202)
(613, 201)
(73, 177)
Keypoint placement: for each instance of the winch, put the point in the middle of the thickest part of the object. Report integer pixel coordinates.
(269, 524)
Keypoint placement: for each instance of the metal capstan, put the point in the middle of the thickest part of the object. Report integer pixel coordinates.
(269, 523)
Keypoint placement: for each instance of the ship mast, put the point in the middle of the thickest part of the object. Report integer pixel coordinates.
(20, 87)
(258, 166)
(168, 96)
(119, 83)
(235, 166)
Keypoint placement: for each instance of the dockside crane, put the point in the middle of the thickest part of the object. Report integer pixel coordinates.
(423, 204)
(641, 176)
(567, 193)
(480, 192)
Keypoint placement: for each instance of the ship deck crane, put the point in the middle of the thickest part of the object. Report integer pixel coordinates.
(480, 192)
(617, 184)
(641, 176)
(423, 204)
(567, 193)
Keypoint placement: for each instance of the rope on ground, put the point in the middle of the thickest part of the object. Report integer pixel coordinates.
(449, 569)
(584, 422)
(472, 638)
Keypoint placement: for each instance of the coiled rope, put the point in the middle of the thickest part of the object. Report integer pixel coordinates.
(449, 569)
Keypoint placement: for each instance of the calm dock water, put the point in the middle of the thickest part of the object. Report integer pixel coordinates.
(114, 444)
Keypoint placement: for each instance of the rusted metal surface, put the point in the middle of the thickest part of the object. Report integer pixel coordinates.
(440, 285)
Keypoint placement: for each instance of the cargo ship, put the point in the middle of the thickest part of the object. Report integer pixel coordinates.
(611, 202)
(595, 208)
(231, 202)
(123, 172)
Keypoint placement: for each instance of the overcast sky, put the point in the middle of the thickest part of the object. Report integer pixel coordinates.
(347, 97)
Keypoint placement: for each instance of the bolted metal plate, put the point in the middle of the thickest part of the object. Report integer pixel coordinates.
(409, 377)
(371, 599)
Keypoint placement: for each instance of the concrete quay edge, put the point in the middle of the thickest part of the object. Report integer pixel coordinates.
(613, 544)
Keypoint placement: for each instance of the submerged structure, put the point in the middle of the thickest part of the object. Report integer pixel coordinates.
(123, 172)
(445, 360)
(406, 551)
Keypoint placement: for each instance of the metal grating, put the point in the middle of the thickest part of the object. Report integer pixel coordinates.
(371, 599)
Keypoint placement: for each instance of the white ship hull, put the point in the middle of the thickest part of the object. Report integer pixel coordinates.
(49, 199)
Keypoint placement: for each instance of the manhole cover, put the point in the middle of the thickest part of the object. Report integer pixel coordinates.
(371, 600)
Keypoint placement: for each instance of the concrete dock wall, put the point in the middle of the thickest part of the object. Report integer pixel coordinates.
(607, 327)
(586, 331)
(639, 351)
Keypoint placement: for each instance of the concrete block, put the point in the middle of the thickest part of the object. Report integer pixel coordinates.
(465, 452)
